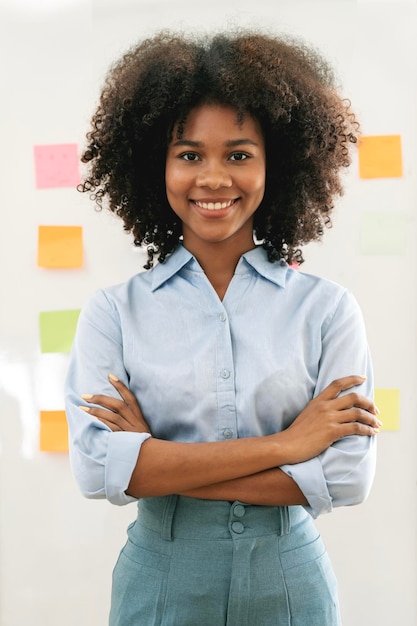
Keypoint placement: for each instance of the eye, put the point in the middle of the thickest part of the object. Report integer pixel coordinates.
(189, 156)
(239, 156)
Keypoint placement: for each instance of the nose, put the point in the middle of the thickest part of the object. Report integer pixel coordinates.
(214, 176)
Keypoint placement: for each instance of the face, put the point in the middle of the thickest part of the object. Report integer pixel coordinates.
(215, 177)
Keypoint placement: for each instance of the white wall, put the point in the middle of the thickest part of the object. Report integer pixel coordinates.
(57, 550)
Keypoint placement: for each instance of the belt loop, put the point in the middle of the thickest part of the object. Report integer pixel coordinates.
(285, 520)
(168, 516)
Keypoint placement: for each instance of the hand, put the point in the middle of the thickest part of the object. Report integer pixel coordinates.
(124, 414)
(330, 417)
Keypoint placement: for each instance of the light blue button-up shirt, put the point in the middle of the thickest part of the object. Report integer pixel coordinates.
(209, 370)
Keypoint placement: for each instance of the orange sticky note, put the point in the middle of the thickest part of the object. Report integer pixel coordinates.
(53, 432)
(380, 156)
(56, 165)
(60, 246)
(388, 402)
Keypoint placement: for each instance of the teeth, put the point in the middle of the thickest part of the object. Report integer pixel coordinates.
(214, 206)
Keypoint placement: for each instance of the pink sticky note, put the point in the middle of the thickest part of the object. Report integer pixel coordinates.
(56, 166)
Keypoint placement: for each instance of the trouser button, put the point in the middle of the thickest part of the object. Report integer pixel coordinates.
(239, 510)
(238, 527)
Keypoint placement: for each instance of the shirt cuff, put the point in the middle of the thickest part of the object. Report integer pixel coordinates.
(122, 454)
(310, 478)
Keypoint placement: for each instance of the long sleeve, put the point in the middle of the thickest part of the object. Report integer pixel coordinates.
(203, 369)
(343, 474)
(102, 461)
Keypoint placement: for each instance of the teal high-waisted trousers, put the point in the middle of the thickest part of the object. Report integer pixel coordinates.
(190, 562)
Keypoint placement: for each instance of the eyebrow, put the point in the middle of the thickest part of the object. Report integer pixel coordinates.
(232, 143)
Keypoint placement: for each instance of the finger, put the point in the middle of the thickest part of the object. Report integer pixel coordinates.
(357, 428)
(356, 414)
(123, 391)
(108, 402)
(107, 417)
(117, 407)
(340, 384)
(354, 399)
(115, 421)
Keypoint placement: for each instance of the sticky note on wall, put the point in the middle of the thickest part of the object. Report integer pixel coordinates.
(383, 232)
(380, 156)
(56, 166)
(57, 330)
(60, 246)
(53, 434)
(388, 402)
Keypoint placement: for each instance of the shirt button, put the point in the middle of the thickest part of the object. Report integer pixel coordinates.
(222, 317)
(239, 510)
(227, 433)
(238, 527)
(225, 374)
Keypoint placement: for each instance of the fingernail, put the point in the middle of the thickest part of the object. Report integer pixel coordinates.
(86, 396)
(378, 412)
(376, 430)
(84, 408)
(380, 423)
(362, 376)
(113, 377)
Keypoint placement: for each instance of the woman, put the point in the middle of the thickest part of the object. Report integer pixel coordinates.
(228, 393)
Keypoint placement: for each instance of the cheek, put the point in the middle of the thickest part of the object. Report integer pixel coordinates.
(256, 177)
(257, 182)
(175, 181)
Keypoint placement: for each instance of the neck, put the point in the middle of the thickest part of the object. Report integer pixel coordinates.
(218, 261)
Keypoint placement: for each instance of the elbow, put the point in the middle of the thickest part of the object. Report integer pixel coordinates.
(353, 487)
(358, 494)
(88, 476)
(88, 491)
(92, 487)
(352, 490)
(89, 485)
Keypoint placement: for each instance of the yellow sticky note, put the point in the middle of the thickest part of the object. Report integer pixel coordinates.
(53, 435)
(380, 156)
(60, 246)
(388, 402)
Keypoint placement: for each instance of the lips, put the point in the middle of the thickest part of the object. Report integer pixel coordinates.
(217, 205)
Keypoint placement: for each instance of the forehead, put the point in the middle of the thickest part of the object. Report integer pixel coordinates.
(216, 121)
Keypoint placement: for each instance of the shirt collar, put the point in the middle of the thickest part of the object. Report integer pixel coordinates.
(257, 259)
(173, 264)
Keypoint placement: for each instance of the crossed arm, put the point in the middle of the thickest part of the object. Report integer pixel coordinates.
(241, 469)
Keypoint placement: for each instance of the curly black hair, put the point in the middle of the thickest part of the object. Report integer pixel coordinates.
(287, 86)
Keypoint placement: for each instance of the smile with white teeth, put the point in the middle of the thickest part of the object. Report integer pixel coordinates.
(214, 206)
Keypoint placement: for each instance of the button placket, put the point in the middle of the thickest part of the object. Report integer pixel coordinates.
(226, 394)
(227, 433)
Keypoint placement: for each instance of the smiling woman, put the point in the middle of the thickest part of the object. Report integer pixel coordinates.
(227, 393)
(282, 84)
(215, 181)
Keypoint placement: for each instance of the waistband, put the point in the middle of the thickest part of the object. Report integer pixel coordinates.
(191, 518)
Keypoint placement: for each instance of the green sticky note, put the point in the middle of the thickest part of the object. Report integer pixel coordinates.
(57, 330)
(388, 402)
(383, 233)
